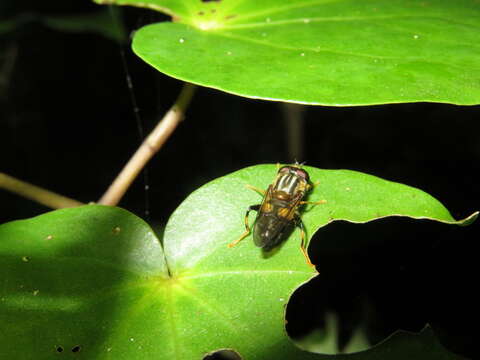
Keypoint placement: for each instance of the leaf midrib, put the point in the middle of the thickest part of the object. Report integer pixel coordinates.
(244, 272)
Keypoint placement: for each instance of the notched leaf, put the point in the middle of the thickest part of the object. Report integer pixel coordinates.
(117, 286)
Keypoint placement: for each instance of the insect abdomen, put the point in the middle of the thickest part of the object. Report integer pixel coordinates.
(269, 230)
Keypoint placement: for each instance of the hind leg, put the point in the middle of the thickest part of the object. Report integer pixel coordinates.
(247, 227)
(303, 246)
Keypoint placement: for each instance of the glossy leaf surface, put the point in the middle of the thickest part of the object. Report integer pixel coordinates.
(95, 282)
(329, 52)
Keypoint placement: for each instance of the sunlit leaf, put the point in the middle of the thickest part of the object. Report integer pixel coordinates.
(330, 52)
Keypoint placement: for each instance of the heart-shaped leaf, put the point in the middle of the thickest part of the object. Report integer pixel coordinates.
(329, 52)
(94, 280)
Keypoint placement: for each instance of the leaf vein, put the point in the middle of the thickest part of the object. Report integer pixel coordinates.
(378, 57)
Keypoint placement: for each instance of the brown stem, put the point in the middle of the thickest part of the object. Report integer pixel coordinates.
(36, 193)
(295, 122)
(149, 147)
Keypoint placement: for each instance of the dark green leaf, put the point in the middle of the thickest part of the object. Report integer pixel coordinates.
(94, 279)
(105, 22)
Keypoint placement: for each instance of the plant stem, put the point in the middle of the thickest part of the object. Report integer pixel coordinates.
(36, 193)
(7, 69)
(294, 123)
(149, 147)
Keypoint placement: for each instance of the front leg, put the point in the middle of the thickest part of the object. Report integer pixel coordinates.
(247, 227)
(260, 191)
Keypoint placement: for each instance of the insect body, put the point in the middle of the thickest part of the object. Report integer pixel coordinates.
(279, 210)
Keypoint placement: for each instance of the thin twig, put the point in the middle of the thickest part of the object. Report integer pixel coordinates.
(149, 147)
(35, 193)
(295, 123)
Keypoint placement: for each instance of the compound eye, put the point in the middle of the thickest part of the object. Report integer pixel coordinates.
(303, 174)
(284, 170)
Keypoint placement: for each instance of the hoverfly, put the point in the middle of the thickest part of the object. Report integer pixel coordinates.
(279, 210)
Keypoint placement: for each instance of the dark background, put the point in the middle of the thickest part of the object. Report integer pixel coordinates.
(67, 124)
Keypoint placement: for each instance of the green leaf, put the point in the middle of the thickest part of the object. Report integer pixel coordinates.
(73, 278)
(106, 23)
(326, 340)
(328, 52)
(406, 345)
(95, 279)
(7, 26)
(401, 345)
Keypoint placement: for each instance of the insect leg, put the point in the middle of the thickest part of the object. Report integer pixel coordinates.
(314, 202)
(260, 191)
(299, 223)
(247, 227)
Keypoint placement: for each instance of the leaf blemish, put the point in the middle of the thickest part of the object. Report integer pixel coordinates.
(116, 230)
(49, 237)
(201, 13)
(206, 1)
(59, 349)
(223, 354)
(76, 349)
(25, 258)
